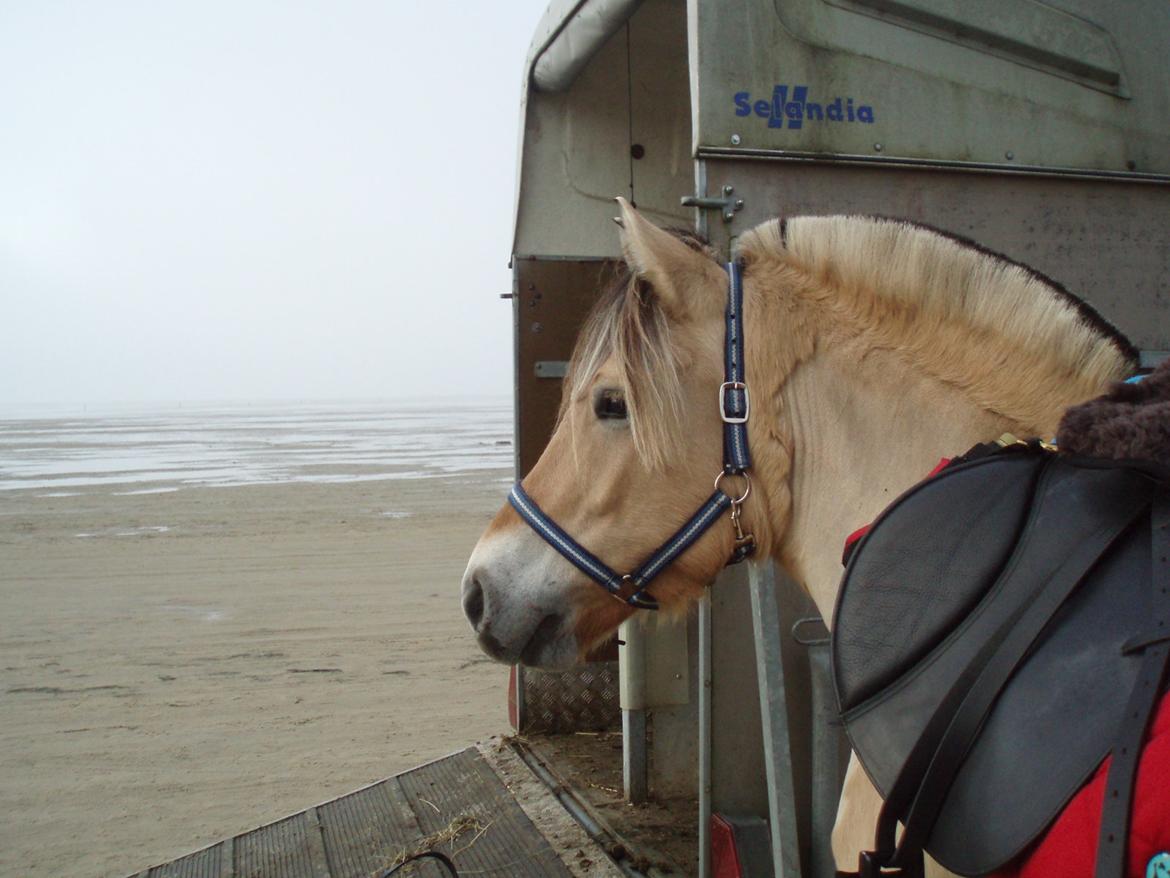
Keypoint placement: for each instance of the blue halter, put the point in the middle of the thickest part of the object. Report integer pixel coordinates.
(734, 409)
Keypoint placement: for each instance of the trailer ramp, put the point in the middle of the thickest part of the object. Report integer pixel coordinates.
(481, 806)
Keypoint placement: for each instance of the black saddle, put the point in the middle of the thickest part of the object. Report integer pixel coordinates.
(1000, 629)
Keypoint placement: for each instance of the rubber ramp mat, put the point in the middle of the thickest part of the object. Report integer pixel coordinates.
(458, 805)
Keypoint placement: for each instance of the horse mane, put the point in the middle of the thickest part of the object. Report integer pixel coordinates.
(896, 275)
(911, 281)
(627, 325)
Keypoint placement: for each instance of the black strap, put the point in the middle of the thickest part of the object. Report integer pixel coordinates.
(734, 404)
(425, 855)
(930, 769)
(1127, 750)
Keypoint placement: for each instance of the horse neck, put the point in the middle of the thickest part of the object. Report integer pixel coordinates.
(861, 427)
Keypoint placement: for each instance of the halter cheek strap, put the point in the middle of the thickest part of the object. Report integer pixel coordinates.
(734, 410)
(734, 403)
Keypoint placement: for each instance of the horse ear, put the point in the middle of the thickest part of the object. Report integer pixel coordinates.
(679, 276)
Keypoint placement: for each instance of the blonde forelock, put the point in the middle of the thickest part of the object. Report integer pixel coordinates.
(629, 330)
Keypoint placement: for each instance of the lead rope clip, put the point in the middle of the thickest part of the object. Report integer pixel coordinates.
(745, 544)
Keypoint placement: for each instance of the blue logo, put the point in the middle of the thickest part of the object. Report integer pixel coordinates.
(793, 109)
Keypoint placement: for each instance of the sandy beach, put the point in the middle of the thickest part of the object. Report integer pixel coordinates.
(178, 665)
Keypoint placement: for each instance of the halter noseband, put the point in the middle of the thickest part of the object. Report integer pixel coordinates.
(734, 409)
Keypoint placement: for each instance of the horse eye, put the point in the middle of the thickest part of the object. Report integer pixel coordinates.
(610, 404)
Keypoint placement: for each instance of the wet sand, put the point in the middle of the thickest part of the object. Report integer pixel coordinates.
(209, 659)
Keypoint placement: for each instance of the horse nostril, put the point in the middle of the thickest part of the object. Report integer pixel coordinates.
(473, 602)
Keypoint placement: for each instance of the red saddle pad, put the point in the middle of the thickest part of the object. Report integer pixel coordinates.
(1069, 848)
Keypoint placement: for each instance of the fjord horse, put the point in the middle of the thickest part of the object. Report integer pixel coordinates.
(873, 348)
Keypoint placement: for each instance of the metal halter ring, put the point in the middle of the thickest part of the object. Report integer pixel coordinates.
(747, 486)
(617, 595)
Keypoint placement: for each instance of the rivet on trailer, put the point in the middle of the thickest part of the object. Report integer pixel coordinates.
(1037, 129)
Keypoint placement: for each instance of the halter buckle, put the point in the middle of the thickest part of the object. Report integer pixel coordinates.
(724, 388)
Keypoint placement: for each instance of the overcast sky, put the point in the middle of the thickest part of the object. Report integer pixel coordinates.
(209, 200)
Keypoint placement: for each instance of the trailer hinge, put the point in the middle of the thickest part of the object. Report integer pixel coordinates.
(727, 205)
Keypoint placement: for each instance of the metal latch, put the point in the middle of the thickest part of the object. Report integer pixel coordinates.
(728, 205)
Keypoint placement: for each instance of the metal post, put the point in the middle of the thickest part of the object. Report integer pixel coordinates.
(829, 750)
(705, 681)
(774, 718)
(521, 701)
(632, 691)
(827, 772)
(634, 755)
(701, 189)
(705, 736)
(704, 638)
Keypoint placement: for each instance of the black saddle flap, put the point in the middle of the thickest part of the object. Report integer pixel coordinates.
(937, 574)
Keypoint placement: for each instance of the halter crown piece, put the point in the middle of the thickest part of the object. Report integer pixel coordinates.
(734, 410)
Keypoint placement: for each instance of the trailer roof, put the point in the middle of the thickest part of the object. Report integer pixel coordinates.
(570, 33)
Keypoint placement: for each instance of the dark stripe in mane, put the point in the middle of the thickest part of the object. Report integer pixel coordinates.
(1087, 312)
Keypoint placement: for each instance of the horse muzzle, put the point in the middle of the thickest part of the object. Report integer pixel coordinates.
(513, 626)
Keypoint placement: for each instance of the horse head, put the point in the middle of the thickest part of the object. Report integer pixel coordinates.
(874, 347)
(637, 444)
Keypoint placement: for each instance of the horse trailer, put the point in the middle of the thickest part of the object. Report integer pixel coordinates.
(1037, 128)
